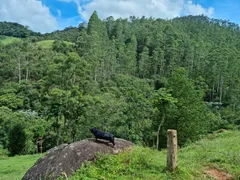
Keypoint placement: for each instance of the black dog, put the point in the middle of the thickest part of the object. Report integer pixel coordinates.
(102, 135)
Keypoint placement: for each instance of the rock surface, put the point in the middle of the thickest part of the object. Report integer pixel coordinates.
(67, 158)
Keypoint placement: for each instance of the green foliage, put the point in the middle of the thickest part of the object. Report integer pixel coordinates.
(161, 98)
(69, 34)
(11, 101)
(19, 130)
(3, 152)
(133, 77)
(162, 101)
(17, 138)
(45, 44)
(48, 44)
(191, 118)
(5, 40)
(139, 163)
(16, 30)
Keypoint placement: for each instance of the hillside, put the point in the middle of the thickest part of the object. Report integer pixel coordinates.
(69, 34)
(48, 43)
(218, 152)
(16, 30)
(134, 78)
(5, 40)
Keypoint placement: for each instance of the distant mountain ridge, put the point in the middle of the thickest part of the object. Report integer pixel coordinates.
(12, 29)
(16, 30)
(70, 34)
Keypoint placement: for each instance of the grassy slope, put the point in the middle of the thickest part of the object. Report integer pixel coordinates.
(8, 40)
(13, 168)
(220, 151)
(44, 44)
(48, 43)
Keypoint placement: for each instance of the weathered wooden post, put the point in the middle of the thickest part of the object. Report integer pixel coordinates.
(40, 144)
(171, 150)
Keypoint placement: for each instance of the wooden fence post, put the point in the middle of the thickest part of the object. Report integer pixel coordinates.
(171, 150)
(39, 143)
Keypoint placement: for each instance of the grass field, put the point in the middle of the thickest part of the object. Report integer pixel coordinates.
(13, 168)
(44, 44)
(8, 40)
(218, 153)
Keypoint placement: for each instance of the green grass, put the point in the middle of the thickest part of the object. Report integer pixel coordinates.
(8, 40)
(13, 168)
(219, 151)
(48, 43)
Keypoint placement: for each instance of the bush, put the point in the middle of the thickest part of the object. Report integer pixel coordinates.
(3, 152)
(17, 139)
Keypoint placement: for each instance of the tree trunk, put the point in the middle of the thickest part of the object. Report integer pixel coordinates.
(27, 74)
(212, 92)
(221, 89)
(159, 128)
(19, 71)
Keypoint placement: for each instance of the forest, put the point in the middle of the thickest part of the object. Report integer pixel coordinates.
(134, 77)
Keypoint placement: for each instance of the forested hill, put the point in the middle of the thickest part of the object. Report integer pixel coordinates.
(133, 77)
(16, 30)
(11, 29)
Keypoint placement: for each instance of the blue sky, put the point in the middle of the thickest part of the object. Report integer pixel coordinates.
(223, 9)
(49, 15)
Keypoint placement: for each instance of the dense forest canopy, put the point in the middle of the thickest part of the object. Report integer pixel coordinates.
(16, 30)
(133, 77)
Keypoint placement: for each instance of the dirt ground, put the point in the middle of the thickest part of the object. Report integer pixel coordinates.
(218, 175)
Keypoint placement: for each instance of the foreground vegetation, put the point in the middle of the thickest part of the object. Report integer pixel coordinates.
(216, 151)
(8, 40)
(49, 43)
(13, 168)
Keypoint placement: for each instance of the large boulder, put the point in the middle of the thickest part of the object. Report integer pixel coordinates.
(67, 158)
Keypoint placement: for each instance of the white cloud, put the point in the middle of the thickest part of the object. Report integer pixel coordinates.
(139, 8)
(31, 13)
(196, 9)
(59, 13)
(64, 0)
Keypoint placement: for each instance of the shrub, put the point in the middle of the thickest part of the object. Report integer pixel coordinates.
(17, 139)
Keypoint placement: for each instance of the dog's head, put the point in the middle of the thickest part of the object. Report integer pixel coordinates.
(93, 130)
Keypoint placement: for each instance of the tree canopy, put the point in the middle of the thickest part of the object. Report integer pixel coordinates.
(133, 77)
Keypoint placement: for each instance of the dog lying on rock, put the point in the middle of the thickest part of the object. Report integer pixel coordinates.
(102, 135)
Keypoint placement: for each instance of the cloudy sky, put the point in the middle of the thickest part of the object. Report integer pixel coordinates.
(49, 15)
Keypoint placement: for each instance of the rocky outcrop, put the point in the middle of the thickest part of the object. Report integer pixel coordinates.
(67, 158)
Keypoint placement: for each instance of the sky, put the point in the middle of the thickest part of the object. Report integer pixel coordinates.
(50, 15)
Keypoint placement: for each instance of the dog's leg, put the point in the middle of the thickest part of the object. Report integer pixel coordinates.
(113, 141)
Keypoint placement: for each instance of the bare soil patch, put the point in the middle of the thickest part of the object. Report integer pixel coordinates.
(218, 175)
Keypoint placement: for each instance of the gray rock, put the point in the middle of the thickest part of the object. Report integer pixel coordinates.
(67, 158)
